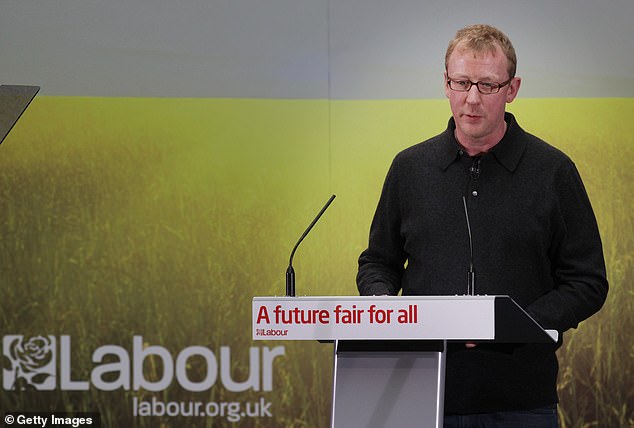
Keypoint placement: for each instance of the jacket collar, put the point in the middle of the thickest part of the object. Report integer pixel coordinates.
(508, 151)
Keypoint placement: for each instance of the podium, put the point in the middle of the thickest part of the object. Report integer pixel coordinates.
(389, 351)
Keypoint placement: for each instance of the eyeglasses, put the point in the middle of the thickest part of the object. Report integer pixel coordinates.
(485, 88)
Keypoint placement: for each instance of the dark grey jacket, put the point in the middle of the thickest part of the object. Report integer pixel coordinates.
(535, 238)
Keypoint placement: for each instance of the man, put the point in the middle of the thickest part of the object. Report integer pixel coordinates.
(533, 234)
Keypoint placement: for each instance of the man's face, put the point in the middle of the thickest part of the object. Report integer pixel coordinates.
(479, 117)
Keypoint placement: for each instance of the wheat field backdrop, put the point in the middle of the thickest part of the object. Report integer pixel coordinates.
(164, 217)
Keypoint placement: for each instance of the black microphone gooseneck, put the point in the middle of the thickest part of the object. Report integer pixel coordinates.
(474, 175)
(471, 272)
(290, 272)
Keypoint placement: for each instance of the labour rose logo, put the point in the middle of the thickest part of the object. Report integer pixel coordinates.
(28, 364)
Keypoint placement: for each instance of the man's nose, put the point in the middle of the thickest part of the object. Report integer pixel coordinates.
(473, 95)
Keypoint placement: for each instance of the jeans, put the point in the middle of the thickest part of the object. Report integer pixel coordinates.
(543, 417)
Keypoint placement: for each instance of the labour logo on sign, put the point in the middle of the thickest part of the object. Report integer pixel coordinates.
(28, 363)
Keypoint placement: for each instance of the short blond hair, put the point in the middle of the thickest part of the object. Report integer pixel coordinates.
(481, 38)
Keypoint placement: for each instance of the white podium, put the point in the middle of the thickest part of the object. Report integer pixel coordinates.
(389, 351)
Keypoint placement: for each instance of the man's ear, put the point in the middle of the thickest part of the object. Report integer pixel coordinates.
(514, 87)
(446, 84)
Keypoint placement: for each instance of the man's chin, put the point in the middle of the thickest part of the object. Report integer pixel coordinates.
(471, 131)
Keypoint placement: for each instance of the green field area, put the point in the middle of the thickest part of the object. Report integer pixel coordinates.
(164, 217)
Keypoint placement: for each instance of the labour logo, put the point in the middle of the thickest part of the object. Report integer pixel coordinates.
(28, 363)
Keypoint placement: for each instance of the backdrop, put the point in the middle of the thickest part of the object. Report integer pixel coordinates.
(177, 151)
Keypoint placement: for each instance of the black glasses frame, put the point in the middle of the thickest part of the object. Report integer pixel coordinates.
(493, 87)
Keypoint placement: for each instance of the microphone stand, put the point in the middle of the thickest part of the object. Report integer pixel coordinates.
(290, 272)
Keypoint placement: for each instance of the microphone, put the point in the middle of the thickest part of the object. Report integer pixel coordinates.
(471, 271)
(290, 272)
(474, 170)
